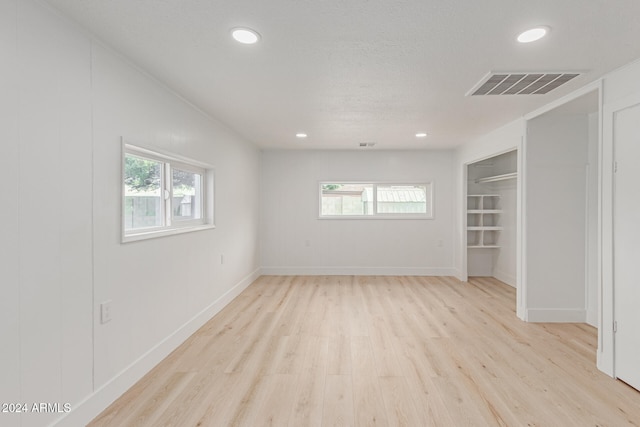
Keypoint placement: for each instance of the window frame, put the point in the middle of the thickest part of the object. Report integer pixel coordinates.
(376, 215)
(170, 224)
(186, 167)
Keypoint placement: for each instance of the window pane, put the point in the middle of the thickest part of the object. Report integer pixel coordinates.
(347, 199)
(402, 199)
(142, 186)
(187, 195)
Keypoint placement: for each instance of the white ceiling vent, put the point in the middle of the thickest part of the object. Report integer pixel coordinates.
(521, 83)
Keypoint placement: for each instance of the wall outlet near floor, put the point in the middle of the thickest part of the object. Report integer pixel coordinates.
(105, 312)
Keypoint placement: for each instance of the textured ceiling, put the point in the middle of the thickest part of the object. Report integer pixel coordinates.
(351, 71)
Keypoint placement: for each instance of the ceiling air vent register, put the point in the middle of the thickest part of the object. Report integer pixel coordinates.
(521, 83)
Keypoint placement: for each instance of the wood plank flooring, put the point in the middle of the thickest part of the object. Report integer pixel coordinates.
(378, 351)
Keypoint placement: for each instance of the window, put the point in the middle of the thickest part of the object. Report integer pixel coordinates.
(164, 194)
(375, 200)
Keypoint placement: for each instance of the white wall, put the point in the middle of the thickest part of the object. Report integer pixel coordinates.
(501, 140)
(556, 152)
(289, 191)
(10, 212)
(46, 304)
(150, 298)
(66, 102)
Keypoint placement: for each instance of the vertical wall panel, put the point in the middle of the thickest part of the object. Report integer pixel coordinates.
(556, 215)
(74, 215)
(9, 214)
(39, 248)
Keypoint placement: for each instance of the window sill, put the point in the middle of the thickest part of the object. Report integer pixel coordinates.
(374, 217)
(135, 237)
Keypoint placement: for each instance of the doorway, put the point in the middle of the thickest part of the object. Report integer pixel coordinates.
(562, 212)
(492, 218)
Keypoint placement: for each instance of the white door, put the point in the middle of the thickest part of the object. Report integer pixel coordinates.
(627, 244)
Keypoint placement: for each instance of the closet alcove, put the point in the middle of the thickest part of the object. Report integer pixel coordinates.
(491, 217)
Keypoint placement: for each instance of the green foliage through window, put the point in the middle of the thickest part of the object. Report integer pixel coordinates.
(331, 187)
(141, 174)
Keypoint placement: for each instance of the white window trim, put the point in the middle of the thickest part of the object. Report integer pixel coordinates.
(376, 215)
(174, 226)
(177, 222)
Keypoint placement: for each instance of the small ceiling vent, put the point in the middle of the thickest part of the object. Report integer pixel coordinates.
(367, 144)
(521, 83)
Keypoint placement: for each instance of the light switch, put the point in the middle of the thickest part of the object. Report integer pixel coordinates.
(105, 312)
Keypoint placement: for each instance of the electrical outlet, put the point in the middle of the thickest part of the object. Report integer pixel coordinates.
(105, 312)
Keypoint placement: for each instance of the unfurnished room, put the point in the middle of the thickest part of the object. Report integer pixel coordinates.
(319, 213)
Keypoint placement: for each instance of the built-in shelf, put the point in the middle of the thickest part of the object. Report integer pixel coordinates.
(496, 178)
(482, 221)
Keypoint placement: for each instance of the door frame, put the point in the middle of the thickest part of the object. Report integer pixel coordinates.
(606, 335)
(520, 237)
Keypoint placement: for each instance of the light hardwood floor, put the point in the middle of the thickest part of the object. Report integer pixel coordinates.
(378, 351)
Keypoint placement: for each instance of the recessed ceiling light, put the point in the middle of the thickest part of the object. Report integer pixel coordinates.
(301, 135)
(533, 34)
(245, 35)
(421, 135)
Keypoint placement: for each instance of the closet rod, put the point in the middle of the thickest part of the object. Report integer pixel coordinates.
(497, 178)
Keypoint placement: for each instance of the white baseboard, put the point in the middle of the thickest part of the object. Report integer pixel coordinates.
(358, 271)
(507, 278)
(556, 315)
(592, 319)
(100, 399)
